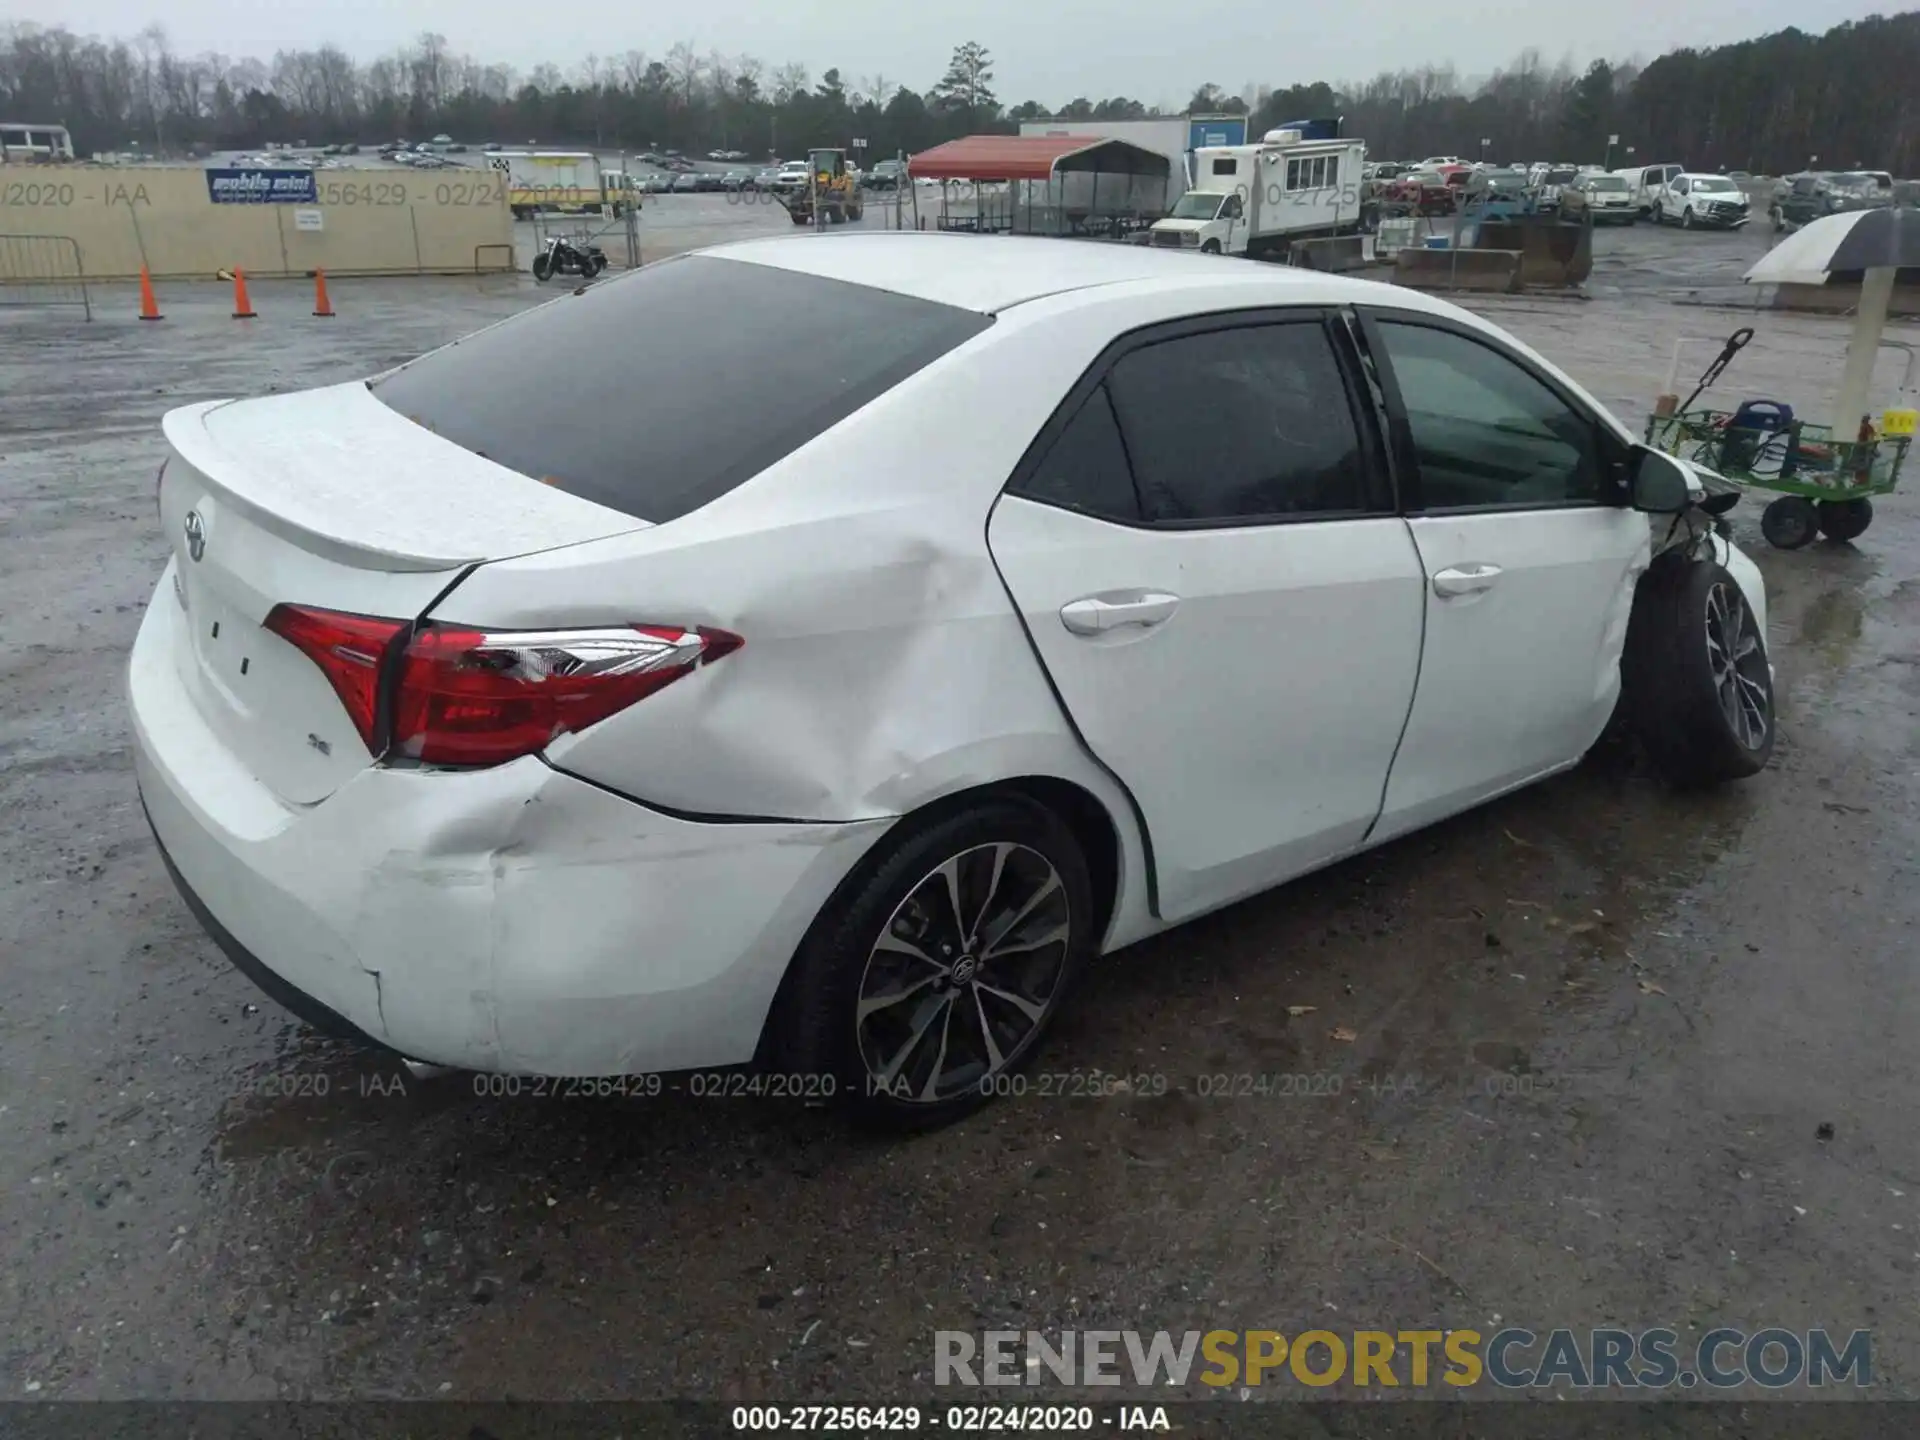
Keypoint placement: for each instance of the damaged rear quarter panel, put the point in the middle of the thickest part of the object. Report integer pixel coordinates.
(883, 664)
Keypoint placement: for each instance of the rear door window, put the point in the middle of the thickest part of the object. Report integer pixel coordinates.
(1248, 423)
(660, 391)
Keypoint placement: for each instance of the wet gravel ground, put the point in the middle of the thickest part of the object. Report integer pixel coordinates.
(1618, 1055)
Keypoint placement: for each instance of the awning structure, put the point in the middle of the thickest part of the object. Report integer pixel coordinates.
(1034, 157)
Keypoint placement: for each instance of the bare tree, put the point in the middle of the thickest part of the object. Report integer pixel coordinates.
(790, 80)
(151, 43)
(684, 66)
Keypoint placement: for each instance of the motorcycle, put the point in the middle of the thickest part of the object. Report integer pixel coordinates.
(564, 257)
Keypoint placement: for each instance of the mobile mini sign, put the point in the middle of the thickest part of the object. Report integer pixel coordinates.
(261, 187)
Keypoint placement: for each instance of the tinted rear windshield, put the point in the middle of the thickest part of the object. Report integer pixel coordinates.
(660, 391)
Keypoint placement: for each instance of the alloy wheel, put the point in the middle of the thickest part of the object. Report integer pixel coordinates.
(964, 973)
(1739, 665)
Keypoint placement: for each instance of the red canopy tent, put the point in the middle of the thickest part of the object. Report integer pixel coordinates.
(1053, 163)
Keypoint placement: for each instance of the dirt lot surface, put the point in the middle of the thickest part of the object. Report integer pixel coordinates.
(1618, 1055)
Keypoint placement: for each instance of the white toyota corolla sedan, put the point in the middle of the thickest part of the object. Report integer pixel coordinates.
(872, 630)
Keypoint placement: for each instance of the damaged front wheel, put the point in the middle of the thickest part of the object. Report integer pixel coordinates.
(1696, 684)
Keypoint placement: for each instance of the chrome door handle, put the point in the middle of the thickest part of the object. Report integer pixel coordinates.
(1457, 580)
(1097, 614)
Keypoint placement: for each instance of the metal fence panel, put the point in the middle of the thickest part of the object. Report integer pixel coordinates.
(43, 270)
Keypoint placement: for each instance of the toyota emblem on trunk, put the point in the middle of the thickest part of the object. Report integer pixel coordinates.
(196, 535)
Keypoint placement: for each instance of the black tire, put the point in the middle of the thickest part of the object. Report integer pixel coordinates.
(1845, 519)
(1212, 247)
(1693, 662)
(816, 1027)
(1790, 522)
(595, 264)
(541, 268)
(1686, 218)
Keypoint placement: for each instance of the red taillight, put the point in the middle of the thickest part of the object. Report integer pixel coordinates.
(347, 648)
(466, 696)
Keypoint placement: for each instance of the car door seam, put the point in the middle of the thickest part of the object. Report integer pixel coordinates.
(1073, 725)
(1413, 698)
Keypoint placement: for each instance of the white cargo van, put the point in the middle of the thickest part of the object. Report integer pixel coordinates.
(1646, 181)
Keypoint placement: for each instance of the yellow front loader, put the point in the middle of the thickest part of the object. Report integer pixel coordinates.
(831, 186)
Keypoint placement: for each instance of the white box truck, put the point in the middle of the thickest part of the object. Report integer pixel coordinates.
(1256, 200)
(566, 180)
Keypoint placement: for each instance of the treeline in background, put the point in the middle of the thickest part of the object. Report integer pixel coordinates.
(1850, 97)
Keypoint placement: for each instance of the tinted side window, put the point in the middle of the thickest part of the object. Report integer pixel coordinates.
(1240, 424)
(1486, 432)
(1086, 468)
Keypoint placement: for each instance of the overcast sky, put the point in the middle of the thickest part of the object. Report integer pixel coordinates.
(1151, 50)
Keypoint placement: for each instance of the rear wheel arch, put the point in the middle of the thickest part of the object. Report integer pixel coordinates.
(1093, 827)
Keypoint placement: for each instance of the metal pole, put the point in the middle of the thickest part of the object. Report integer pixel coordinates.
(1856, 381)
(629, 199)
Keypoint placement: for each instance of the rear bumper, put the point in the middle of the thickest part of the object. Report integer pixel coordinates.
(290, 998)
(514, 919)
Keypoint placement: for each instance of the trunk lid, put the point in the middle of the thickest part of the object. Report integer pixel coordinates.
(325, 498)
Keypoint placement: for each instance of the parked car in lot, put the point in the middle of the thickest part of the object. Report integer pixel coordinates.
(1694, 200)
(467, 736)
(767, 179)
(686, 182)
(1608, 198)
(1809, 196)
(1550, 184)
(1424, 192)
(885, 175)
(737, 180)
(1507, 186)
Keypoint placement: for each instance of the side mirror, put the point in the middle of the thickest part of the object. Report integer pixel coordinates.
(1661, 485)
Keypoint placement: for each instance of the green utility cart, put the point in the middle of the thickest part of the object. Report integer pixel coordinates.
(1824, 483)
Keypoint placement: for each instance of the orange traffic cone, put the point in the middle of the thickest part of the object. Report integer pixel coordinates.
(149, 307)
(322, 306)
(242, 307)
